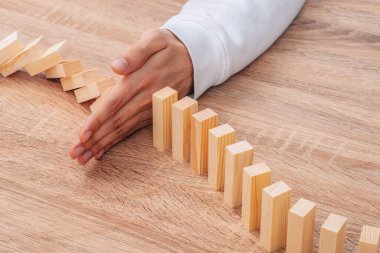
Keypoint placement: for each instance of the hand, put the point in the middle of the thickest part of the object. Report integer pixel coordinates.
(157, 60)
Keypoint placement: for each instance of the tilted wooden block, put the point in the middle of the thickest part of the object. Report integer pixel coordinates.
(218, 139)
(81, 79)
(201, 123)
(93, 90)
(162, 101)
(274, 216)
(238, 156)
(181, 125)
(31, 52)
(53, 56)
(64, 69)
(255, 179)
(332, 236)
(369, 239)
(9, 47)
(98, 101)
(301, 220)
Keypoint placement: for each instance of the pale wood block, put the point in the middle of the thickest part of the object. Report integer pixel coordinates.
(53, 56)
(93, 90)
(369, 239)
(81, 79)
(10, 47)
(219, 138)
(255, 179)
(301, 221)
(31, 52)
(201, 123)
(181, 126)
(333, 232)
(162, 102)
(64, 69)
(99, 100)
(274, 219)
(238, 156)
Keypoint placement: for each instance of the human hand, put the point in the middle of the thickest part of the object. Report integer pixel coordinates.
(157, 60)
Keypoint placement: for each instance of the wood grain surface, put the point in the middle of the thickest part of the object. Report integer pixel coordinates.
(310, 106)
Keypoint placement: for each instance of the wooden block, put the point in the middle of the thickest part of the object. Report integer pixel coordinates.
(201, 123)
(162, 102)
(64, 69)
(53, 56)
(255, 179)
(274, 219)
(98, 101)
(10, 47)
(238, 156)
(181, 126)
(369, 239)
(301, 221)
(218, 139)
(31, 52)
(93, 90)
(333, 232)
(81, 79)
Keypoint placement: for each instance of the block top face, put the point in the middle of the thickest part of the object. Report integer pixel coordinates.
(239, 147)
(204, 115)
(222, 130)
(370, 235)
(9, 39)
(302, 207)
(54, 48)
(185, 103)
(277, 189)
(334, 223)
(257, 169)
(165, 93)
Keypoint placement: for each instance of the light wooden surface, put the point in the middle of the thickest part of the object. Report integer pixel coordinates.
(309, 106)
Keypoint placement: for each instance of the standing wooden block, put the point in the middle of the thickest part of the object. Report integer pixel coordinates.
(81, 79)
(53, 56)
(64, 69)
(31, 52)
(9, 47)
(301, 221)
(201, 123)
(255, 179)
(238, 156)
(93, 90)
(369, 239)
(333, 232)
(96, 103)
(274, 219)
(181, 125)
(218, 139)
(162, 102)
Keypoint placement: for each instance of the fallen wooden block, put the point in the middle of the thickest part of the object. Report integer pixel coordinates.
(301, 221)
(10, 47)
(64, 69)
(255, 179)
(31, 52)
(81, 79)
(99, 100)
(93, 90)
(53, 56)
(238, 156)
(333, 232)
(181, 127)
(369, 239)
(162, 101)
(274, 216)
(201, 123)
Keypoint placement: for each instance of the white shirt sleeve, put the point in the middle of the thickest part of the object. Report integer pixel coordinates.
(224, 36)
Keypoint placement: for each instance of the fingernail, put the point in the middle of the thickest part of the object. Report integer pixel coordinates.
(86, 156)
(87, 135)
(120, 65)
(100, 154)
(79, 151)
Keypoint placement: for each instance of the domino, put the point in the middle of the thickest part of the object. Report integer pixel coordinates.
(255, 179)
(238, 156)
(201, 123)
(98, 101)
(162, 101)
(181, 125)
(274, 219)
(31, 52)
(301, 221)
(81, 79)
(93, 90)
(64, 69)
(369, 239)
(53, 56)
(333, 232)
(9, 47)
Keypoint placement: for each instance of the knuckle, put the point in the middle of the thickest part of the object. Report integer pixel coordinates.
(117, 121)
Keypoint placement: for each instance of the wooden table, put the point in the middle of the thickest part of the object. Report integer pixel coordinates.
(310, 106)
